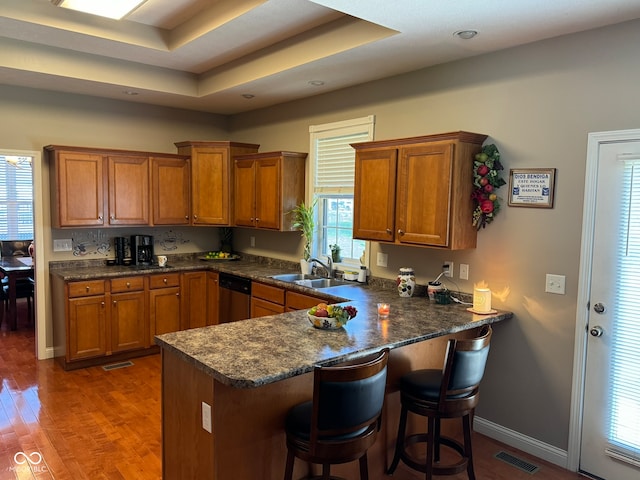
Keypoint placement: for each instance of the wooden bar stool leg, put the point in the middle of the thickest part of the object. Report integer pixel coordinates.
(466, 427)
(402, 426)
(431, 422)
(364, 468)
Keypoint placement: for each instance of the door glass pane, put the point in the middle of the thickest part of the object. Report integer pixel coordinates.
(624, 389)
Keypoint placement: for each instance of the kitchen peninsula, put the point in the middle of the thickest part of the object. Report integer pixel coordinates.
(226, 388)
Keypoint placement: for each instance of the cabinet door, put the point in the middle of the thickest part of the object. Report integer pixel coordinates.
(87, 328)
(375, 195)
(128, 190)
(262, 308)
(129, 324)
(213, 298)
(424, 194)
(164, 306)
(80, 189)
(193, 292)
(267, 193)
(299, 301)
(170, 180)
(210, 186)
(244, 199)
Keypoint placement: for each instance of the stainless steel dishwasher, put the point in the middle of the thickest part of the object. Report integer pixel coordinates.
(235, 298)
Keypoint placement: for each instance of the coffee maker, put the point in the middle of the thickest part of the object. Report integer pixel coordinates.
(142, 249)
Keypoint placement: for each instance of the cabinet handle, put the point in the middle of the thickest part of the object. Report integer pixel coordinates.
(164, 280)
(177, 294)
(100, 217)
(113, 217)
(389, 232)
(195, 217)
(252, 219)
(257, 219)
(400, 232)
(115, 303)
(87, 288)
(102, 303)
(186, 217)
(128, 284)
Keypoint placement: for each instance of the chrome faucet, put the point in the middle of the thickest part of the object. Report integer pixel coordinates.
(328, 267)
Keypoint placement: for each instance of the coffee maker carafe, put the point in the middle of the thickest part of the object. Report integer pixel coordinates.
(142, 249)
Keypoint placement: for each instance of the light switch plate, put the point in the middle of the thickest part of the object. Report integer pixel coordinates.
(464, 271)
(382, 259)
(555, 284)
(206, 417)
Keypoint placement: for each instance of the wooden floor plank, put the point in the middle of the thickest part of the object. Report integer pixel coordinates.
(93, 424)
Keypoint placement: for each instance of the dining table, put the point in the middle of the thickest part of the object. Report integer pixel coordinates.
(15, 268)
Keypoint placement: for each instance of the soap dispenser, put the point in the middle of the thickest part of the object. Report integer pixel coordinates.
(362, 275)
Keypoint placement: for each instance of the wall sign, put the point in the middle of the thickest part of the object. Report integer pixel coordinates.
(531, 187)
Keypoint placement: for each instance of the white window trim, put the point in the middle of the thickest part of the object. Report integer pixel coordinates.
(316, 131)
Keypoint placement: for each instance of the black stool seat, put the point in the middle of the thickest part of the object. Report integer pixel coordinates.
(341, 422)
(451, 392)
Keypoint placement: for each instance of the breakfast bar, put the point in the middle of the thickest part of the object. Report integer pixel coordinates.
(226, 388)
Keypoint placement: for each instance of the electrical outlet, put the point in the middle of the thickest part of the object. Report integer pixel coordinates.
(253, 241)
(62, 245)
(448, 269)
(382, 259)
(555, 284)
(464, 271)
(206, 417)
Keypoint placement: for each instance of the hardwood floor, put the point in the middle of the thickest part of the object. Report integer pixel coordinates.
(97, 424)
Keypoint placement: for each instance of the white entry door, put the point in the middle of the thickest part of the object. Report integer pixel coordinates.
(610, 442)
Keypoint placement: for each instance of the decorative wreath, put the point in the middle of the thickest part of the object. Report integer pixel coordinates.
(486, 179)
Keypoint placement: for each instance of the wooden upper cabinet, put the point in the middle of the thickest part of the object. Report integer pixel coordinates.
(211, 179)
(375, 191)
(77, 188)
(128, 186)
(170, 182)
(267, 186)
(417, 191)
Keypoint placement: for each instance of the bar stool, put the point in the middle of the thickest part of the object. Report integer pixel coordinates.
(341, 422)
(448, 393)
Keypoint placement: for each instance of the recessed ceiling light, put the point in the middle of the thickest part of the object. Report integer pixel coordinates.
(466, 34)
(248, 96)
(116, 9)
(316, 83)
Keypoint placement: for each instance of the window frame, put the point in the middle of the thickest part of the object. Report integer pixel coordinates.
(361, 125)
(9, 188)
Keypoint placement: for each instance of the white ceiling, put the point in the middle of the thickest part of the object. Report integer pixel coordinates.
(206, 54)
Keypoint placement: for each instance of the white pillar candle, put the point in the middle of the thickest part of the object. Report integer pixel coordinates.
(482, 300)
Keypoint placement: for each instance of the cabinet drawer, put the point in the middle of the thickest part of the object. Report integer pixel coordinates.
(127, 284)
(267, 292)
(162, 281)
(298, 301)
(86, 288)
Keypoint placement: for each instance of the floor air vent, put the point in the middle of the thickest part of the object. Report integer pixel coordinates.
(113, 366)
(517, 462)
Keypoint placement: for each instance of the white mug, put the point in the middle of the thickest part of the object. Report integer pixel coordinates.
(162, 260)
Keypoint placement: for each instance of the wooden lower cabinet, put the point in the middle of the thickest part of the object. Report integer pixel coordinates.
(266, 300)
(213, 298)
(299, 301)
(194, 299)
(129, 322)
(87, 331)
(165, 308)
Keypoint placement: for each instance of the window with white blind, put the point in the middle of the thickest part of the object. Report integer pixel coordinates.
(16, 198)
(332, 160)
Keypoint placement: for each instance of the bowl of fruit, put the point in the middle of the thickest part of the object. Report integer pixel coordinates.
(330, 317)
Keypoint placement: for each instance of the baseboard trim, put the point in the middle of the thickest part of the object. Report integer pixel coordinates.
(522, 442)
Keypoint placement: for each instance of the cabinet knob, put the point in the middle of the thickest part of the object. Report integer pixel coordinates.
(257, 219)
(100, 217)
(115, 303)
(389, 232)
(113, 217)
(186, 217)
(164, 280)
(128, 284)
(400, 232)
(87, 288)
(252, 219)
(102, 304)
(177, 294)
(195, 217)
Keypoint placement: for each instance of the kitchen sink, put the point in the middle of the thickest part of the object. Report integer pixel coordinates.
(311, 281)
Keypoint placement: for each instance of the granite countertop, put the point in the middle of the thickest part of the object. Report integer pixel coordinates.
(258, 351)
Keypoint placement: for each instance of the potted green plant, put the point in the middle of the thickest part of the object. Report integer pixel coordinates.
(303, 220)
